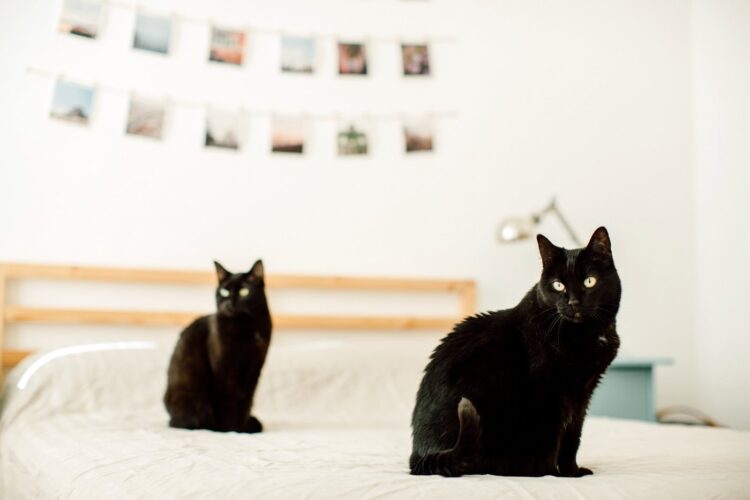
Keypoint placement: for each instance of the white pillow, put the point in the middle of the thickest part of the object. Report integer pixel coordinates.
(352, 381)
(343, 381)
(111, 377)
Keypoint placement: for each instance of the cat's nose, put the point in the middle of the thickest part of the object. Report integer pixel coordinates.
(573, 301)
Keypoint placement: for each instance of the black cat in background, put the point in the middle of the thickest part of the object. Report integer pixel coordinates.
(217, 361)
(506, 392)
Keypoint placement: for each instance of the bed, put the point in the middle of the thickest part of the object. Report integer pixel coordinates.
(86, 421)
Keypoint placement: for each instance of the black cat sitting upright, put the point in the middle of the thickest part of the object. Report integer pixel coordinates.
(506, 392)
(217, 361)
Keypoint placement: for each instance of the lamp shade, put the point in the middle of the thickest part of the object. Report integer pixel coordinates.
(516, 228)
(522, 228)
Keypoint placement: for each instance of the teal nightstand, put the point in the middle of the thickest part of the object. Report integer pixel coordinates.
(627, 389)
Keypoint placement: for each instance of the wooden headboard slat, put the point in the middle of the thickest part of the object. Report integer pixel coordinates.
(110, 275)
(12, 358)
(17, 314)
(2, 317)
(162, 277)
(465, 290)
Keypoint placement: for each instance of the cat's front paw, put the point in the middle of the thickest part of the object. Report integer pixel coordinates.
(575, 471)
(252, 425)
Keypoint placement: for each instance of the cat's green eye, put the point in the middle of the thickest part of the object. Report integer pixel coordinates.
(244, 292)
(223, 292)
(589, 282)
(558, 286)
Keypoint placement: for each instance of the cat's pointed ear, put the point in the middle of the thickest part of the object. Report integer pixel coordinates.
(599, 242)
(221, 273)
(547, 250)
(257, 270)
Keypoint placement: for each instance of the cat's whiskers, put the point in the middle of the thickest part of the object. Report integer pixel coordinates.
(607, 316)
(550, 311)
(545, 316)
(559, 328)
(556, 321)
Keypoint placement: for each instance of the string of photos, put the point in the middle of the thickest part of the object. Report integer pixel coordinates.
(147, 116)
(73, 101)
(154, 33)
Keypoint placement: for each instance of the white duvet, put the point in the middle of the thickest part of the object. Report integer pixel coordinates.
(90, 425)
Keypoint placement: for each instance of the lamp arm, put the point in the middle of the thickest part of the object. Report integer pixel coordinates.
(553, 208)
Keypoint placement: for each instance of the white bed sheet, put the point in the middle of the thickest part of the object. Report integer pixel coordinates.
(136, 456)
(109, 439)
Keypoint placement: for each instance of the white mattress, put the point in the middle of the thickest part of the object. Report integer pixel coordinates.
(91, 425)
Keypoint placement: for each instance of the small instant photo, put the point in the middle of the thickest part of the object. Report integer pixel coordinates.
(288, 134)
(352, 59)
(416, 59)
(72, 102)
(418, 134)
(353, 137)
(227, 46)
(146, 117)
(297, 54)
(81, 17)
(152, 33)
(224, 129)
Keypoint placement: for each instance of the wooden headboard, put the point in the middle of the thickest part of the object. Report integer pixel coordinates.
(465, 291)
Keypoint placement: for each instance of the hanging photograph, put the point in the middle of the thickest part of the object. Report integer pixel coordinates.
(223, 129)
(152, 33)
(297, 54)
(227, 46)
(352, 59)
(288, 134)
(418, 134)
(416, 59)
(81, 17)
(353, 137)
(146, 117)
(72, 102)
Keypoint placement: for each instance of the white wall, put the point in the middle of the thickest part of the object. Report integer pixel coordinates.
(587, 100)
(721, 74)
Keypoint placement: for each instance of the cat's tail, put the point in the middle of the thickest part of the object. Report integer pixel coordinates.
(462, 458)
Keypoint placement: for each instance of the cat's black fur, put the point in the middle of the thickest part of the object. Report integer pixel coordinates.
(506, 392)
(216, 364)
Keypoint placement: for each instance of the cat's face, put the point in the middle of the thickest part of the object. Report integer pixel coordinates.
(239, 293)
(581, 284)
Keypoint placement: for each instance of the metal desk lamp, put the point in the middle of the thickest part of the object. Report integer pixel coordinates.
(521, 228)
